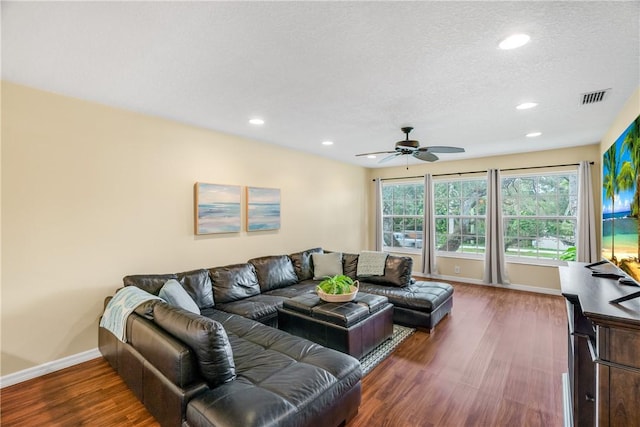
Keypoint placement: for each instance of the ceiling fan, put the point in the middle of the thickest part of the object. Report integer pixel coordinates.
(412, 147)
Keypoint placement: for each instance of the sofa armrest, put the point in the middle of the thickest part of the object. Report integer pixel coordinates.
(174, 359)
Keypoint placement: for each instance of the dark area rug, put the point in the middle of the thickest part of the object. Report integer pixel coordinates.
(378, 354)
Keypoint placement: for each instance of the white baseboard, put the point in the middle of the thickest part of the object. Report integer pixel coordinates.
(47, 368)
(514, 286)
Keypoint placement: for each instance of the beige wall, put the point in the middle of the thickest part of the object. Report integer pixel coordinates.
(92, 193)
(534, 276)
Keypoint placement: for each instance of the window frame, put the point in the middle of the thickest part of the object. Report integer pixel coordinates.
(448, 216)
(403, 249)
(573, 198)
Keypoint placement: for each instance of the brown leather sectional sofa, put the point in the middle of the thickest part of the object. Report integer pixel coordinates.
(277, 378)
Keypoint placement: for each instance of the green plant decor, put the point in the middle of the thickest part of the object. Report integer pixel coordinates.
(569, 254)
(336, 285)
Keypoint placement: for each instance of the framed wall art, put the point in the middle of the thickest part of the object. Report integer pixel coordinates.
(263, 209)
(217, 208)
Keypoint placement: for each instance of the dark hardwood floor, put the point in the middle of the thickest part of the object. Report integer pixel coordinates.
(496, 360)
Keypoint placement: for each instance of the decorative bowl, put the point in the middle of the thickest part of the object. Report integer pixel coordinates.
(339, 297)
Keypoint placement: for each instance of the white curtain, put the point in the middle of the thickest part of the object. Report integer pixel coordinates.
(379, 238)
(586, 227)
(495, 270)
(428, 230)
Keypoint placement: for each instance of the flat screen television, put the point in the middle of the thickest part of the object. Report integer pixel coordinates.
(621, 202)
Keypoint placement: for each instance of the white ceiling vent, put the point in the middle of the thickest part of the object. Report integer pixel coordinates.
(593, 97)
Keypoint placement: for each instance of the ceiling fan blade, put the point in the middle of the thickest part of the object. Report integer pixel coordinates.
(425, 156)
(442, 149)
(393, 156)
(375, 152)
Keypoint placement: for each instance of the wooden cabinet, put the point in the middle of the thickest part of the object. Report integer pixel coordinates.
(618, 375)
(604, 350)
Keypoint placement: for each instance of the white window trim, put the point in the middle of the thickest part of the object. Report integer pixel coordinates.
(531, 260)
(463, 255)
(403, 249)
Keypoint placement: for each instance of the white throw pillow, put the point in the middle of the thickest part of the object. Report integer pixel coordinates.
(326, 265)
(174, 294)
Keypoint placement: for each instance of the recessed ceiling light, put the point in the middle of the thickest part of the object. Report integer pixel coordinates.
(533, 134)
(526, 105)
(371, 156)
(256, 121)
(514, 41)
(327, 142)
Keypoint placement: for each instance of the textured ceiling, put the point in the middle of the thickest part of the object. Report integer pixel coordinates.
(350, 72)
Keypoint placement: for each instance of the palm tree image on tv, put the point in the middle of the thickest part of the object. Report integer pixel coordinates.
(631, 144)
(621, 201)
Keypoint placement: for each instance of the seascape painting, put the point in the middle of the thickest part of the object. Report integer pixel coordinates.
(621, 201)
(263, 209)
(217, 208)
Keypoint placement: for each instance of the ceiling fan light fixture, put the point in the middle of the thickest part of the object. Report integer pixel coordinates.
(514, 41)
(412, 147)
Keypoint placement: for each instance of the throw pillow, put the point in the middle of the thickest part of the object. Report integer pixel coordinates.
(197, 283)
(397, 272)
(174, 294)
(350, 265)
(206, 337)
(328, 264)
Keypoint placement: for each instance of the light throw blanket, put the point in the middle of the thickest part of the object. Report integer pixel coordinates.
(371, 263)
(120, 307)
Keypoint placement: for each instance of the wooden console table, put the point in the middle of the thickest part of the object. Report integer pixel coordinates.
(603, 387)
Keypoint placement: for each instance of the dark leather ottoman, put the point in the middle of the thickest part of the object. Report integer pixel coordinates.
(420, 304)
(354, 328)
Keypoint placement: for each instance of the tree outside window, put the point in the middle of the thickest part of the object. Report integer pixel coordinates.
(539, 214)
(460, 210)
(402, 215)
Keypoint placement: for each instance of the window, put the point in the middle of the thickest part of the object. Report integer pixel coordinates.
(402, 215)
(539, 214)
(460, 207)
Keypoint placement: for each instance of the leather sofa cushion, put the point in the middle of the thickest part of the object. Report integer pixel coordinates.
(198, 285)
(151, 283)
(275, 271)
(303, 263)
(350, 265)
(261, 308)
(206, 337)
(282, 380)
(234, 282)
(300, 288)
(397, 272)
(419, 296)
